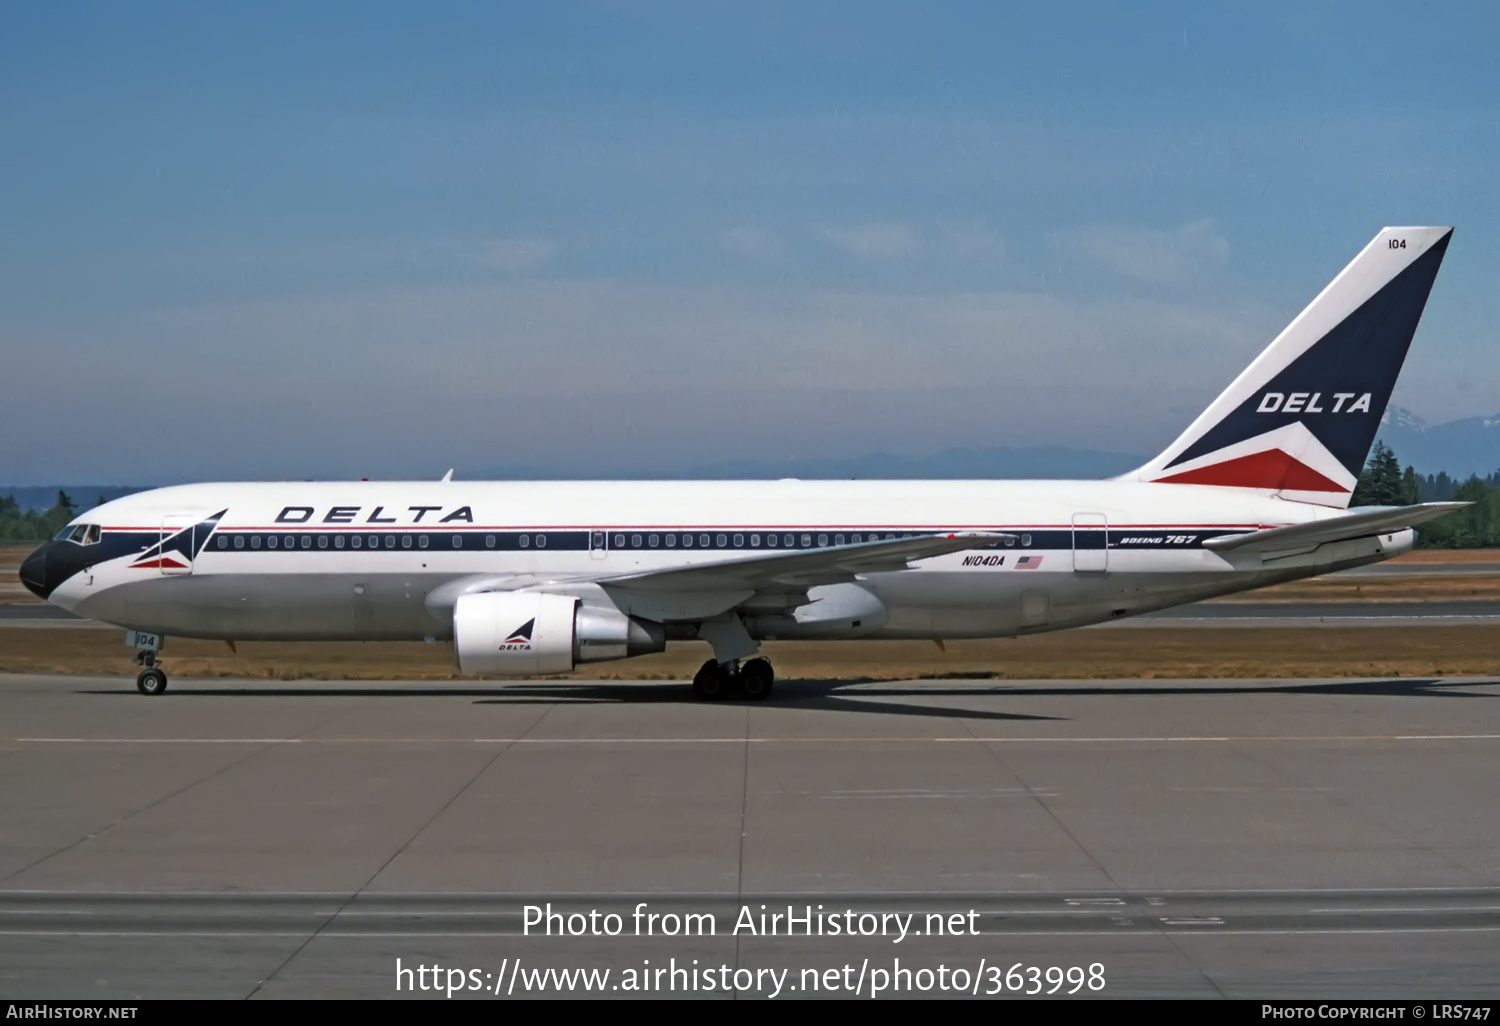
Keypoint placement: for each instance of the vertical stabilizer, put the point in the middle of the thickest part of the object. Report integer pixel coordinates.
(1300, 420)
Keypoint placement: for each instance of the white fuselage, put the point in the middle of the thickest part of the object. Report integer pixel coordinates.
(367, 560)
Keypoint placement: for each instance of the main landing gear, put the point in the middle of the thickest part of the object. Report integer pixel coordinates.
(752, 679)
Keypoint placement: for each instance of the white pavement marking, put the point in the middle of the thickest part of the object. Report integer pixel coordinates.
(1165, 928)
(730, 740)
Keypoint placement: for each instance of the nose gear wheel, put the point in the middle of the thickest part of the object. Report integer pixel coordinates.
(151, 681)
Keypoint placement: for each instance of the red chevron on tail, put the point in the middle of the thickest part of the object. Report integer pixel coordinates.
(1272, 469)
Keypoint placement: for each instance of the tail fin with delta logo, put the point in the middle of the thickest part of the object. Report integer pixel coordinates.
(1299, 421)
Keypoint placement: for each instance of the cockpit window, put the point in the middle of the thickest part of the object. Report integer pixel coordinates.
(81, 534)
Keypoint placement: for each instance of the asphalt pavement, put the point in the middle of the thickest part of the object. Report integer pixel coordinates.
(1289, 839)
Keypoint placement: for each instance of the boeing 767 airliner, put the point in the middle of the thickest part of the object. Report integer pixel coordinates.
(532, 578)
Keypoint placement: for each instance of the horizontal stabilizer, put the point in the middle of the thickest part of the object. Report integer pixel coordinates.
(1370, 520)
(807, 568)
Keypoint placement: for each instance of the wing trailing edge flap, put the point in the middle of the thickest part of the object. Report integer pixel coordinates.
(798, 571)
(1368, 521)
(711, 589)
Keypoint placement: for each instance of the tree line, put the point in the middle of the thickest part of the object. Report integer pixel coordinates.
(18, 525)
(1384, 483)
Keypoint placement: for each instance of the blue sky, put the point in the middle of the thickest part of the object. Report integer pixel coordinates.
(293, 240)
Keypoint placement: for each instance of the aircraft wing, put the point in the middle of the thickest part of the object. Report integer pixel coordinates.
(1361, 524)
(804, 569)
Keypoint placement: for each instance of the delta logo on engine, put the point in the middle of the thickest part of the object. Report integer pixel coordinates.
(520, 638)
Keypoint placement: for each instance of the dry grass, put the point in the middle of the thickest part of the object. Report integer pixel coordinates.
(1419, 587)
(11, 588)
(11, 555)
(1157, 652)
(1450, 557)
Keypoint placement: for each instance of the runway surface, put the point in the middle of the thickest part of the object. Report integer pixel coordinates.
(1238, 838)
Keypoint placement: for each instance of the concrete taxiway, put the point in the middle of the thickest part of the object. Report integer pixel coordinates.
(1237, 838)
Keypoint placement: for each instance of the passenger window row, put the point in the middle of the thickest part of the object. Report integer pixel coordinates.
(740, 540)
(566, 540)
(361, 541)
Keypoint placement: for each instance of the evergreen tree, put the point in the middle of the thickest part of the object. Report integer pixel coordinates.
(1438, 487)
(1411, 488)
(1381, 483)
(1473, 526)
(56, 518)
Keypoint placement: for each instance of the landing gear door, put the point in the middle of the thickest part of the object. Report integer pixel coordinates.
(178, 544)
(1090, 542)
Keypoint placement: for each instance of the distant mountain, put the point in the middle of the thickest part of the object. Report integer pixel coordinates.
(45, 497)
(1460, 447)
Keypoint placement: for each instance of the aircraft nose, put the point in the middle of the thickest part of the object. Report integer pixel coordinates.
(33, 572)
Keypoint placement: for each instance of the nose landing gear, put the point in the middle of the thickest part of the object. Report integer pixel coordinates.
(152, 680)
(753, 680)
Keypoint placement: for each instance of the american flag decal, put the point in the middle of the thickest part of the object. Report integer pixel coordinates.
(1028, 562)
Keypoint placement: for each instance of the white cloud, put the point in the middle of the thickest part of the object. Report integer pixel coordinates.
(1174, 257)
(970, 242)
(875, 240)
(516, 256)
(527, 336)
(945, 242)
(585, 375)
(759, 243)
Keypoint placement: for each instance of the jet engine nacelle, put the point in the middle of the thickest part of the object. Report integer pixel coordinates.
(522, 633)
